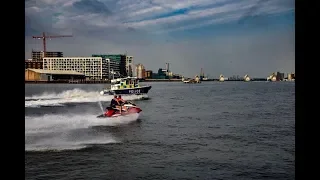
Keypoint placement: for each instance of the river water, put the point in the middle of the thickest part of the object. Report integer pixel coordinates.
(212, 130)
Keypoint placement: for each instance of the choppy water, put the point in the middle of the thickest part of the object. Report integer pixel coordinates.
(212, 130)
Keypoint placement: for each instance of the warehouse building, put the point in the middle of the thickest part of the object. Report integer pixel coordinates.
(50, 75)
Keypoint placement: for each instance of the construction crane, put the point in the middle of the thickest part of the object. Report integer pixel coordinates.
(44, 37)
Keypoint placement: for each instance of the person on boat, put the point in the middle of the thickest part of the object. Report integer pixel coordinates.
(114, 102)
(121, 102)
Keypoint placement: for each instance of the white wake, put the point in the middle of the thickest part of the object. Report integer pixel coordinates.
(62, 132)
(72, 96)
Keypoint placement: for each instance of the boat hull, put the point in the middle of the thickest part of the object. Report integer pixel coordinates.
(136, 91)
(111, 113)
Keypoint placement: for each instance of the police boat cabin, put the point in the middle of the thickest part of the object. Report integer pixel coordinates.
(125, 83)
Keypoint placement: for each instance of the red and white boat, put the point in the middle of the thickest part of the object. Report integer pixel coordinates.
(127, 108)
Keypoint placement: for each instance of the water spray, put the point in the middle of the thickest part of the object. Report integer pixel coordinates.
(101, 107)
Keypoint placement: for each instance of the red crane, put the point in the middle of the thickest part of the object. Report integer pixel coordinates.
(44, 37)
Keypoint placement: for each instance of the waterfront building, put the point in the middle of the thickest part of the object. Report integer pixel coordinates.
(38, 55)
(114, 69)
(148, 74)
(160, 75)
(119, 63)
(33, 64)
(129, 66)
(140, 71)
(112, 62)
(50, 75)
(91, 67)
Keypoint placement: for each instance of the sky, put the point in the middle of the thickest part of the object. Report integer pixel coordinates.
(229, 37)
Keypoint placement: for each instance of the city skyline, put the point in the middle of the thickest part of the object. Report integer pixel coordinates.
(241, 37)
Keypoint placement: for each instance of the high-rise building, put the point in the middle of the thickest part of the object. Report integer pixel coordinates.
(129, 66)
(112, 62)
(114, 69)
(140, 71)
(167, 67)
(90, 66)
(38, 55)
(119, 63)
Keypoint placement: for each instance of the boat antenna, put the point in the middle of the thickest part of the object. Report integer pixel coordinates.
(121, 75)
(112, 73)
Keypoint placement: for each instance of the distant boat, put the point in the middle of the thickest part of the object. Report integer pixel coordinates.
(246, 78)
(272, 77)
(221, 78)
(188, 80)
(196, 80)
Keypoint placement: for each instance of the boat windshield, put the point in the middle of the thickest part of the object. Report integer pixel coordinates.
(116, 82)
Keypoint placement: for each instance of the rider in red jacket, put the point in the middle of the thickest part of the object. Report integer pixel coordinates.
(121, 102)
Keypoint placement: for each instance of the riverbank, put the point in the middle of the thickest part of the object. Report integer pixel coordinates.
(69, 82)
(95, 81)
(161, 80)
(108, 81)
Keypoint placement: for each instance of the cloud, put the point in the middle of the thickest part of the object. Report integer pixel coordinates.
(156, 31)
(191, 15)
(91, 6)
(145, 15)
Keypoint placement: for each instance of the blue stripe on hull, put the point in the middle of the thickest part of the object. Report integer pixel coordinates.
(142, 90)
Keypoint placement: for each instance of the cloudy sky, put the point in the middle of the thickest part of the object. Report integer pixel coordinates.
(230, 37)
